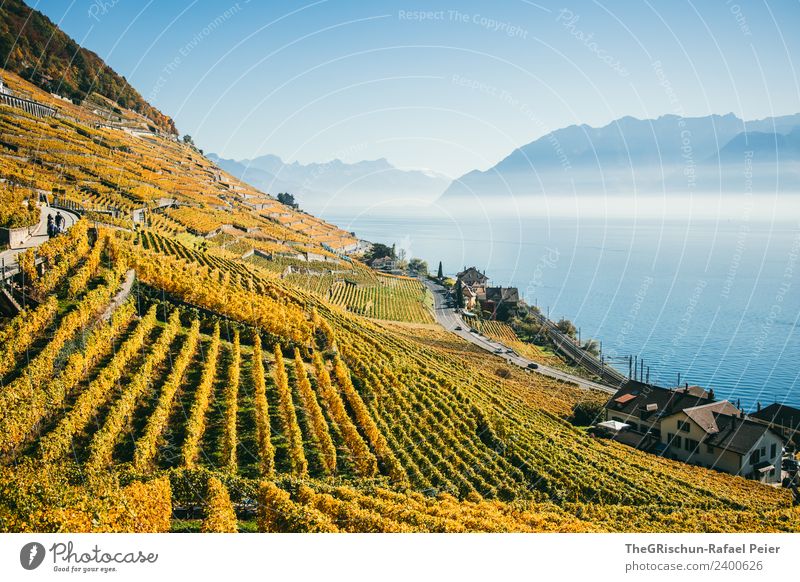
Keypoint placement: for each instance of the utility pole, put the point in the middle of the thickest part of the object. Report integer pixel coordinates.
(636, 367)
(630, 366)
(679, 379)
(21, 270)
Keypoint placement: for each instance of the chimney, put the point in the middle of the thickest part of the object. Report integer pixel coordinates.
(758, 406)
(711, 394)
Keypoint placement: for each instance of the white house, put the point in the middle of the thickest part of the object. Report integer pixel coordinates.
(688, 424)
(719, 436)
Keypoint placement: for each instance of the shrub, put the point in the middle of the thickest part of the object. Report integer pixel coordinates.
(587, 412)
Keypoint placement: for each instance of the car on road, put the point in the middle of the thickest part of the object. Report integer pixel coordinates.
(459, 328)
(498, 351)
(532, 366)
(790, 465)
(473, 330)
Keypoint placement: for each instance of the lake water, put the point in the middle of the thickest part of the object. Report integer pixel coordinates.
(716, 301)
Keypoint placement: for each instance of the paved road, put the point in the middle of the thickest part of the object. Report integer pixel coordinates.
(38, 237)
(450, 320)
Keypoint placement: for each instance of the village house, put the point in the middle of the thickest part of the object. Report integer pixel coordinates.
(498, 299)
(475, 290)
(470, 297)
(687, 424)
(473, 286)
(498, 295)
(642, 406)
(718, 436)
(475, 280)
(384, 264)
(782, 419)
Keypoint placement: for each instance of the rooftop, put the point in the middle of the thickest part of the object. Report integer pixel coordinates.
(736, 434)
(779, 414)
(646, 401)
(705, 415)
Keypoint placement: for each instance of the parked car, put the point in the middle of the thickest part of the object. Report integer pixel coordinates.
(533, 366)
(790, 465)
(459, 328)
(498, 351)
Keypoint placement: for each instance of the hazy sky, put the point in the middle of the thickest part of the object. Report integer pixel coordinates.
(443, 86)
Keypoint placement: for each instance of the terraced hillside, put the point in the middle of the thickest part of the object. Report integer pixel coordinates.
(230, 391)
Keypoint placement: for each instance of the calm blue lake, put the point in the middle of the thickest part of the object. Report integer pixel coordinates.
(716, 301)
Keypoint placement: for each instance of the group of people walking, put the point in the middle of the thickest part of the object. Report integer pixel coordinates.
(55, 226)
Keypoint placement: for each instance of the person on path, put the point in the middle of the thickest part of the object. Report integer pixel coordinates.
(59, 222)
(51, 226)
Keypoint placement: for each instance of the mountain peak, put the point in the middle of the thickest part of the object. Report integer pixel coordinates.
(628, 155)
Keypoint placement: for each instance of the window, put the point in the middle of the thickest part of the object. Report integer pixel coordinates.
(755, 457)
(684, 426)
(674, 440)
(710, 449)
(764, 451)
(773, 450)
(690, 444)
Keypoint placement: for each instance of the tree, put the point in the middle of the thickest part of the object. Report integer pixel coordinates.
(418, 267)
(440, 273)
(459, 295)
(587, 412)
(566, 327)
(287, 199)
(187, 139)
(592, 346)
(378, 251)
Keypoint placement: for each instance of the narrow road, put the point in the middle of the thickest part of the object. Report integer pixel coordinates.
(38, 236)
(449, 319)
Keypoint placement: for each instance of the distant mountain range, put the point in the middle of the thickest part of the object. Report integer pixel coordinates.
(316, 184)
(672, 154)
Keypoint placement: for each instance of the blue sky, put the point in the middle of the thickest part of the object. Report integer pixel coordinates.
(443, 86)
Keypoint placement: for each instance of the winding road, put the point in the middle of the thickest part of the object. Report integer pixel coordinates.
(37, 237)
(449, 319)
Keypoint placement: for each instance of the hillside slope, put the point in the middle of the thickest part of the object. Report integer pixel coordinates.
(35, 48)
(272, 391)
